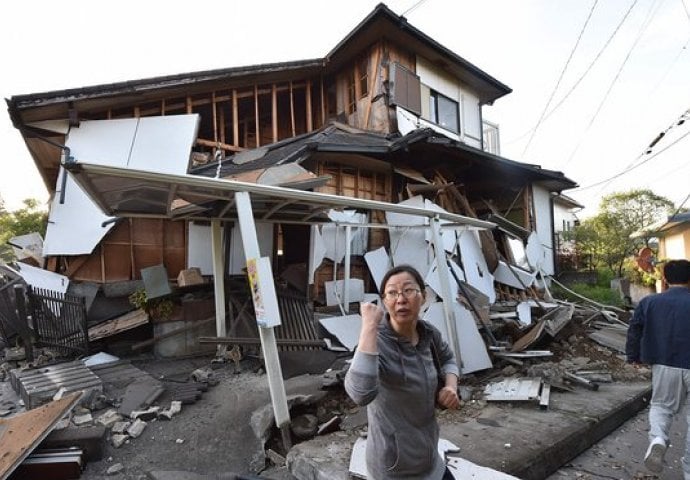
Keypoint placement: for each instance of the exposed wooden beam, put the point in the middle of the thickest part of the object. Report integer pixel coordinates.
(372, 84)
(274, 112)
(323, 101)
(214, 144)
(235, 120)
(215, 117)
(292, 110)
(308, 105)
(256, 116)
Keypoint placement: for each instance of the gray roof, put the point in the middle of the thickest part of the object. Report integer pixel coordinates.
(339, 138)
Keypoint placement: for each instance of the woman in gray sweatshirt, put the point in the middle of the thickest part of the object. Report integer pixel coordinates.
(394, 374)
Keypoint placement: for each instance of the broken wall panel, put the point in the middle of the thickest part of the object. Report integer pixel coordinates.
(513, 276)
(335, 291)
(379, 263)
(76, 224)
(472, 347)
(345, 328)
(474, 265)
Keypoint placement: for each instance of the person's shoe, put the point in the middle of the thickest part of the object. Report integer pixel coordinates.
(654, 458)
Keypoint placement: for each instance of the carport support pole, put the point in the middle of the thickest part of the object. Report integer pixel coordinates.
(218, 277)
(346, 283)
(266, 334)
(444, 279)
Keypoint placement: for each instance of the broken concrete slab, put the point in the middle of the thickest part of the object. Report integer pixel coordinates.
(139, 394)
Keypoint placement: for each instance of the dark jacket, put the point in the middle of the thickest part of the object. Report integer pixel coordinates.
(399, 386)
(659, 332)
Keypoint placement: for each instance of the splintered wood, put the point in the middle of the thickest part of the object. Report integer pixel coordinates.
(21, 434)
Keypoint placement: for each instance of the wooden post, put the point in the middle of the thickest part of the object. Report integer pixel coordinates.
(323, 101)
(256, 115)
(292, 110)
(308, 105)
(215, 117)
(235, 120)
(274, 112)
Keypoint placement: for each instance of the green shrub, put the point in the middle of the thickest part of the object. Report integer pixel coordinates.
(598, 293)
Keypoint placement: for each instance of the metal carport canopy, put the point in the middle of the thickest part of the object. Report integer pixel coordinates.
(123, 192)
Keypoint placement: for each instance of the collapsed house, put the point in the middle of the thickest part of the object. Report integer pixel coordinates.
(264, 202)
(388, 115)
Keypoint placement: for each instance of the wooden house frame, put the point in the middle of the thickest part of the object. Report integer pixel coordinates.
(383, 73)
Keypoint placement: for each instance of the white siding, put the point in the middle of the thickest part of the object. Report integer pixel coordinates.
(542, 213)
(468, 103)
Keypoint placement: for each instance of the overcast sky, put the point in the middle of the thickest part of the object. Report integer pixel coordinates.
(624, 81)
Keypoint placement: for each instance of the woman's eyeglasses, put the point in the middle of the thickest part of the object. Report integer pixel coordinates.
(408, 293)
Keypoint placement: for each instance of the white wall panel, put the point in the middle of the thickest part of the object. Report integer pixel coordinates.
(542, 211)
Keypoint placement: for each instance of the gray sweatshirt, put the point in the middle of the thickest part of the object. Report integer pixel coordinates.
(398, 385)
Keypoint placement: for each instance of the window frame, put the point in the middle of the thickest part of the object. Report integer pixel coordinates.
(434, 103)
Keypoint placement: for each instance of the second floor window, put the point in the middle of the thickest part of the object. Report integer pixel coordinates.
(444, 111)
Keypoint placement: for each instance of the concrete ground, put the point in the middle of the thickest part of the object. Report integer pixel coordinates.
(225, 433)
(620, 455)
(519, 439)
(222, 434)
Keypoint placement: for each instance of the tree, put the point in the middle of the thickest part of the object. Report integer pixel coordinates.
(606, 236)
(30, 218)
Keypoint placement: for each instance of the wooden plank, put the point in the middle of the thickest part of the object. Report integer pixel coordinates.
(21, 434)
(122, 323)
(529, 338)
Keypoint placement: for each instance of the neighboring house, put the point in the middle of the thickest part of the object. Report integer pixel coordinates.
(673, 235)
(387, 114)
(565, 210)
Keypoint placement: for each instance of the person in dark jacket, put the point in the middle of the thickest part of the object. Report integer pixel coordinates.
(659, 335)
(393, 372)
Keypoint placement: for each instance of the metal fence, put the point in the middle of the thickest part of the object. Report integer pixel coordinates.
(59, 321)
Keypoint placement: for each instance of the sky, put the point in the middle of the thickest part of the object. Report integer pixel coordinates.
(594, 82)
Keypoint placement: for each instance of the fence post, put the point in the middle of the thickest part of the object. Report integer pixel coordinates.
(27, 336)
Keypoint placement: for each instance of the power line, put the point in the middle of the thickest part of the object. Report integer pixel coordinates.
(646, 23)
(413, 7)
(628, 170)
(676, 123)
(560, 77)
(680, 207)
(587, 70)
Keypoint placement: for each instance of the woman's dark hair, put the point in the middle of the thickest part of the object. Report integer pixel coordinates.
(402, 269)
(677, 271)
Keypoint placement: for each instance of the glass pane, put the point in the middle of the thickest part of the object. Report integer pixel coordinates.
(447, 113)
